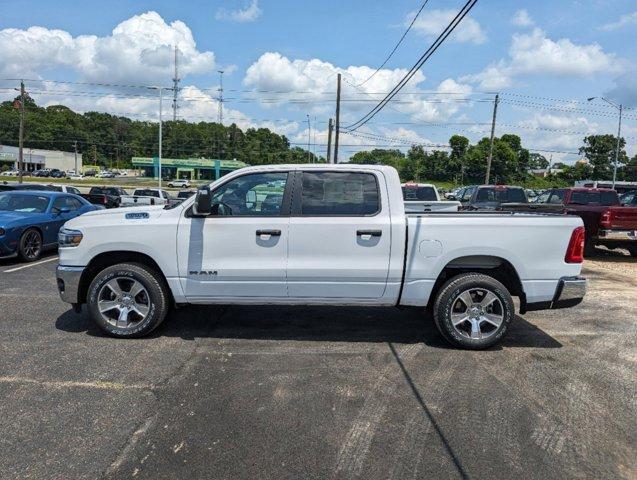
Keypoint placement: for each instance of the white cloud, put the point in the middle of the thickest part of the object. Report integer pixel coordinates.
(311, 85)
(536, 54)
(625, 90)
(626, 20)
(522, 19)
(557, 132)
(433, 22)
(242, 15)
(139, 50)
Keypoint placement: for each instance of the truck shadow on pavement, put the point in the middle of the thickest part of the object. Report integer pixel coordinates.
(320, 324)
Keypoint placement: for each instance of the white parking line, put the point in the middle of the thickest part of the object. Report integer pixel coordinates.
(30, 265)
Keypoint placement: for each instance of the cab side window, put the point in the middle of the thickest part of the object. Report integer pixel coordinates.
(339, 194)
(257, 194)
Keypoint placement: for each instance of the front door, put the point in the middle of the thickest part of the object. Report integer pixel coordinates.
(241, 251)
(340, 237)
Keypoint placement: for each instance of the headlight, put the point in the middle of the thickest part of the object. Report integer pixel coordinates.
(2, 232)
(69, 238)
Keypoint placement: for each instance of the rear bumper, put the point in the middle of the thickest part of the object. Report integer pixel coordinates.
(68, 281)
(618, 235)
(570, 291)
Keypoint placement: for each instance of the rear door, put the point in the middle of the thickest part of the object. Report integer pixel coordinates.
(339, 235)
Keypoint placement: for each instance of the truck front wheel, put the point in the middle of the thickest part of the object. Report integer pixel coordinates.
(127, 300)
(473, 311)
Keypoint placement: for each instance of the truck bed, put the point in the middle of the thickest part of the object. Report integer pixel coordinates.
(533, 244)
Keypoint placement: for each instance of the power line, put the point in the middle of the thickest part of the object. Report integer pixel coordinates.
(421, 61)
(396, 46)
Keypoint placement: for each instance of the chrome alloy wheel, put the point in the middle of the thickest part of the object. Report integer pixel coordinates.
(477, 313)
(32, 244)
(123, 302)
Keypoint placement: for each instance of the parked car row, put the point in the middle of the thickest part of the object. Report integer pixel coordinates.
(31, 219)
(31, 214)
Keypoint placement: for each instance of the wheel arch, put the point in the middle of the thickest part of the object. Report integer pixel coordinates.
(107, 259)
(492, 265)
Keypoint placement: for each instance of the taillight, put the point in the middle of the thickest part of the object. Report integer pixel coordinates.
(605, 219)
(575, 250)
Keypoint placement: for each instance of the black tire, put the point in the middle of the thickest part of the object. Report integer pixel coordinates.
(447, 300)
(30, 248)
(156, 296)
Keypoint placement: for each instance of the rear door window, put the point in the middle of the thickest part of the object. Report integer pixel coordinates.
(515, 195)
(339, 194)
(415, 192)
(608, 198)
(599, 198)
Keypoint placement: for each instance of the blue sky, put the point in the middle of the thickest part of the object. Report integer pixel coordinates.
(544, 57)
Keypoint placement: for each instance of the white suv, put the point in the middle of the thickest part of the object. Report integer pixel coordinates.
(183, 183)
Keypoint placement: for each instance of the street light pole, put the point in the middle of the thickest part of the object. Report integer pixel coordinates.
(161, 97)
(619, 107)
(619, 135)
(309, 133)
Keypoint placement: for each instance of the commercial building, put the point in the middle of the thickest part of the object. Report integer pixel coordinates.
(187, 168)
(37, 159)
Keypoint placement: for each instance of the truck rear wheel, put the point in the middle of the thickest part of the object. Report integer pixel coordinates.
(473, 311)
(128, 300)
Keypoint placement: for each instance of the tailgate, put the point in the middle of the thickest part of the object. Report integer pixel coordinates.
(422, 206)
(623, 218)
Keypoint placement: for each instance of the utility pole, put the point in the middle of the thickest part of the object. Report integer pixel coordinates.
(495, 113)
(619, 136)
(75, 148)
(338, 117)
(220, 90)
(619, 107)
(330, 127)
(309, 134)
(176, 80)
(161, 95)
(21, 134)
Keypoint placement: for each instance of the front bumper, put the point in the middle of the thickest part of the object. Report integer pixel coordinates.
(570, 291)
(68, 280)
(621, 235)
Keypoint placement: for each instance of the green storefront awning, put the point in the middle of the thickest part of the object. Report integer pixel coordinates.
(200, 163)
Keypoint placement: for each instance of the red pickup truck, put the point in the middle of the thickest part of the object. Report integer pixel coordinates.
(606, 221)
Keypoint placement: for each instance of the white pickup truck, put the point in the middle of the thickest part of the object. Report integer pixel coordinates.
(318, 235)
(145, 197)
(424, 197)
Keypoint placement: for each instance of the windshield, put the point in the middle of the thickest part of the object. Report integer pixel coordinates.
(419, 193)
(146, 193)
(107, 191)
(501, 195)
(16, 202)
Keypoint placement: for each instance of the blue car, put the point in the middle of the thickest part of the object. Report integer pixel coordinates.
(30, 220)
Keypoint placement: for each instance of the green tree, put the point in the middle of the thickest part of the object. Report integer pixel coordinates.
(600, 152)
(538, 161)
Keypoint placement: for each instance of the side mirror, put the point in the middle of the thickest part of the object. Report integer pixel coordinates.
(203, 201)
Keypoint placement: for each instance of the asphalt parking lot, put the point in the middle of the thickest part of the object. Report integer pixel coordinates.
(287, 392)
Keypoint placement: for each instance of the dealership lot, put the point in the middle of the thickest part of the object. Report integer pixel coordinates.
(290, 392)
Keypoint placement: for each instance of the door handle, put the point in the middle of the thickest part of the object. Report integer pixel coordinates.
(371, 233)
(272, 233)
